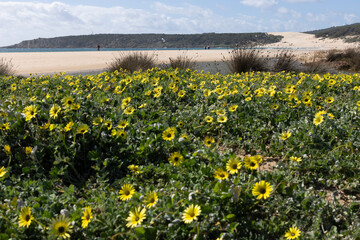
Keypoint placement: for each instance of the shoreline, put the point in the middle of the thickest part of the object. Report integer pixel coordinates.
(302, 45)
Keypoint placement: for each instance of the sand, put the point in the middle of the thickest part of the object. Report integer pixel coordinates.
(97, 61)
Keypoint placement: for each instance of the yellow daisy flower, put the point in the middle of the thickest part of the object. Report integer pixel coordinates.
(233, 166)
(129, 110)
(7, 149)
(262, 189)
(82, 129)
(86, 219)
(221, 174)
(169, 134)
(295, 159)
(293, 233)
(54, 111)
(28, 150)
(60, 227)
(208, 141)
(136, 217)
(318, 120)
(2, 171)
(126, 192)
(285, 135)
(191, 213)
(25, 217)
(208, 119)
(151, 199)
(251, 163)
(175, 158)
(68, 126)
(222, 119)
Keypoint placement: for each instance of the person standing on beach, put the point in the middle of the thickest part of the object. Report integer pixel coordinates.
(98, 47)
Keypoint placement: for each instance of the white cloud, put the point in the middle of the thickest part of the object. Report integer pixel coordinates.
(259, 3)
(30, 20)
(284, 12)
(301, 1)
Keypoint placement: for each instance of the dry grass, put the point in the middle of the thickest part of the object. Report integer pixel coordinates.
(182, 62)
(6, 67)
(285, 61)
(348, 59)
(246, 60)
(132, 62)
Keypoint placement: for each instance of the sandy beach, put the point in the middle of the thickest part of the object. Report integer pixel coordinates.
(97, 61)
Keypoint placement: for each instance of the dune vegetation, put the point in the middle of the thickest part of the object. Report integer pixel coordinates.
(180, 154)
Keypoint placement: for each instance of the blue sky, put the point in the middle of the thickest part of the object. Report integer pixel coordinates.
(26, 19)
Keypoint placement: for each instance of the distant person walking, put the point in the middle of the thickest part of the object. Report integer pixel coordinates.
(98, 47)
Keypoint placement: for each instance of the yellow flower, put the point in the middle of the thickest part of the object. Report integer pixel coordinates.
(175, 158)
(126, 101)
(7, 149)
(75, 106)
(220, 174)
(30, 112)
(13, 87)
(331, 116)
(108, 124)
(136, 217)
(54, 111)
(318, 119)
(82, 129)
(191, 213)
(233, 108)
(181, 93)
(293, 233)
(25, 217)
(208, 141)
(208, 119)
(295, 159)
(129, 110)
(275, 106)
(220, 111)
(233, 166)
(251, 162)
(222, 119)
(2, 172)
(86, 219)
(4, 126)
(68, 126)
(126, 192)
(151, 199)
(247, 99)
(329, 99)
(358, 103)
(122, 134)
(123, 124)
(97, 121)
(60, 227)
(28, 150)
(134, 169)
(285, 135)
(262, 190)
(68, 101)
(169, 134)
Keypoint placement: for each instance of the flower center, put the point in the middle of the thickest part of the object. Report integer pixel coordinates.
(61, 229)
(262, 190)
(27, 218)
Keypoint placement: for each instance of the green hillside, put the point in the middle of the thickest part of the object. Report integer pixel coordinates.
(151, 40)
(351, 32)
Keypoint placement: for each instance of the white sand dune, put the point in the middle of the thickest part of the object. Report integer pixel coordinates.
(53, 62)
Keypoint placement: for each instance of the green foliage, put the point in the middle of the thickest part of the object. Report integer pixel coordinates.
(351, 31)
(110, 132)
(151, 40)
